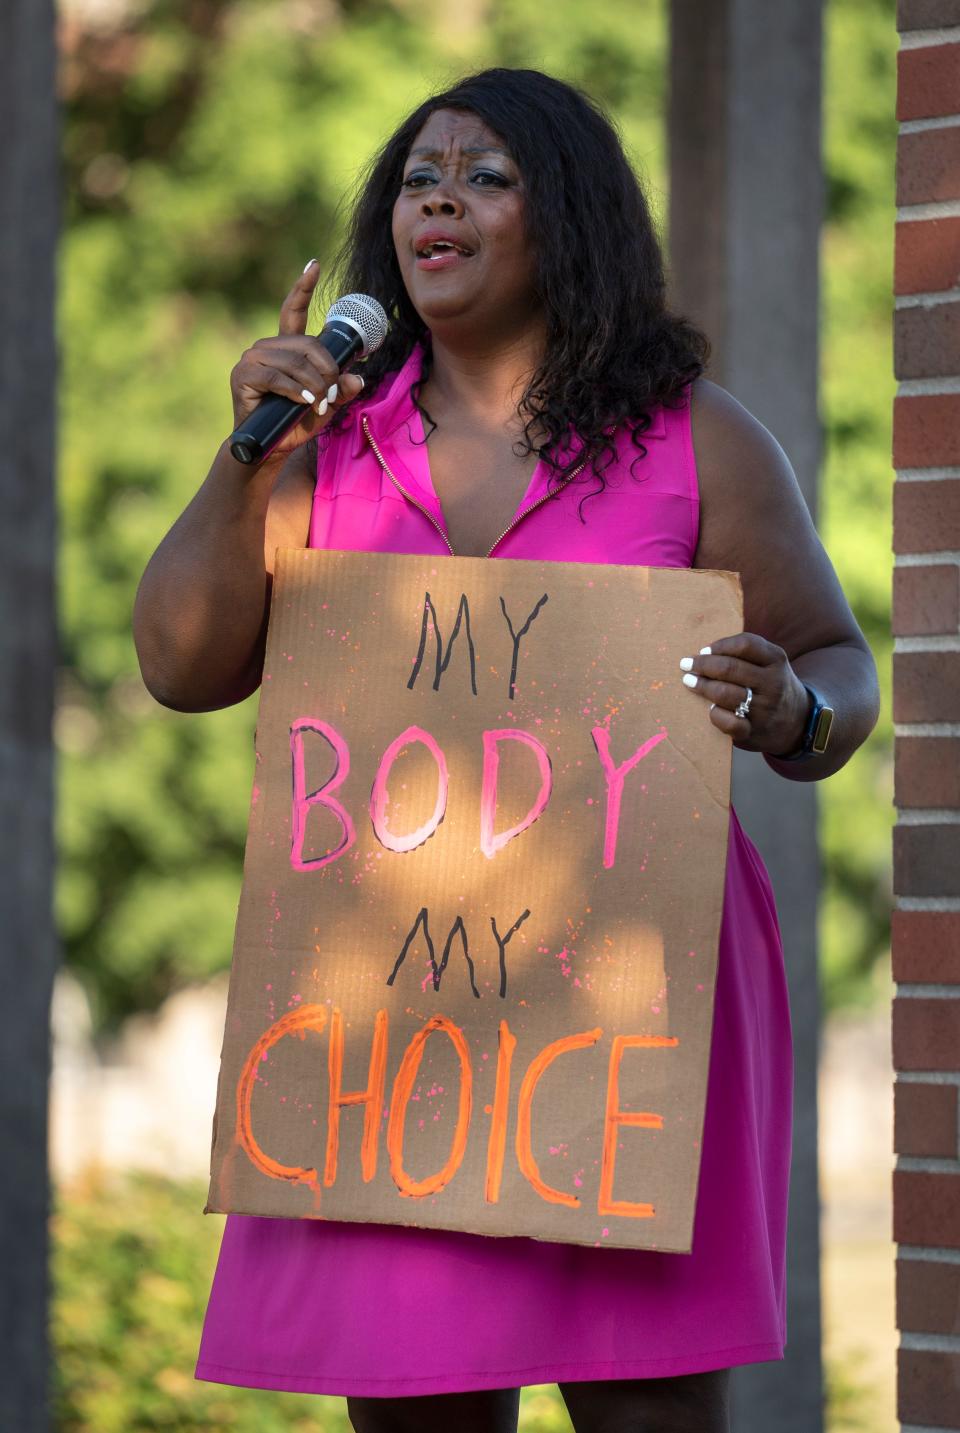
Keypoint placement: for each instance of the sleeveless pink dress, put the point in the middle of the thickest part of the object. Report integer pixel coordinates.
(365, 1309)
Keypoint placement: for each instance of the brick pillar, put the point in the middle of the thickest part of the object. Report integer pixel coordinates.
(926, 709)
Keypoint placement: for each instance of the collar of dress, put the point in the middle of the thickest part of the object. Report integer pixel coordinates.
(392, 406)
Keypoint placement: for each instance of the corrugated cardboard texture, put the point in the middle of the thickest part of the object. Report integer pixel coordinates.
(512, 1032)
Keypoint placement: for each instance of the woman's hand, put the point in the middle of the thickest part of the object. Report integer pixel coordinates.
(779, 706)
(296, 366)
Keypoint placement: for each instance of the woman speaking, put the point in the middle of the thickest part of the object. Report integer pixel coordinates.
(534, 398)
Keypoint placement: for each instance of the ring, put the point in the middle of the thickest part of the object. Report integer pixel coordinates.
(743, 710)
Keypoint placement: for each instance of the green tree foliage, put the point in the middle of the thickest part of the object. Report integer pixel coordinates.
(209, 147)
(856, 485)
(132, 1270)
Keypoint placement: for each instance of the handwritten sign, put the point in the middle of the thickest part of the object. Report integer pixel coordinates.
(473, 976)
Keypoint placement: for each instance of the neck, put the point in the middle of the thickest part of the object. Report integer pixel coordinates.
(484, 381)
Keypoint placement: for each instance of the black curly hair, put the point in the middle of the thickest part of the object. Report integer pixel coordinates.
(613, 349)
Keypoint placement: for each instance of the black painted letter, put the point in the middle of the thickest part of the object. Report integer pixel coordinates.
(443, 658)
(502, 943)
(516, 638)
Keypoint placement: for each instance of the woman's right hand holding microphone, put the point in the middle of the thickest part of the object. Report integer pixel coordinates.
(295, 365)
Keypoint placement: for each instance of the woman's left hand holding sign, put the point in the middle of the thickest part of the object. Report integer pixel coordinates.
(773, 716)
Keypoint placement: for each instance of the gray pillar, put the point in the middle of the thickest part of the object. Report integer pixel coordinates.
(28, 223)
(746, 201)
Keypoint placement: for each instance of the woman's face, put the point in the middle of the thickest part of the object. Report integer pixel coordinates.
(458, 228)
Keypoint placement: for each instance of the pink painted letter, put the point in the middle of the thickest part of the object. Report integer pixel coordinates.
(302, 802)
(489, 843)
(615, 777)
(379, 796)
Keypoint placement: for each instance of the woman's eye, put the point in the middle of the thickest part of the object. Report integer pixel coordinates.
(484, 178)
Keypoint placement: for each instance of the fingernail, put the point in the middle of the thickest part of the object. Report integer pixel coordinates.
(712, 705)
(322, 407)
(307, 396)
(309, 264)
(331, 392)
(690, 680)
(362, 380)
(705, 651)
(686, 663)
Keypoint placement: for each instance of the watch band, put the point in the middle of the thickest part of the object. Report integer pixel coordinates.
(816, 733)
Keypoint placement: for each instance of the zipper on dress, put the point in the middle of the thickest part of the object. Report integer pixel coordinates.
(397, 484)
(410, 498)
(521, 515)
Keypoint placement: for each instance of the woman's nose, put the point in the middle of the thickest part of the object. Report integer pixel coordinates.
(442, 201)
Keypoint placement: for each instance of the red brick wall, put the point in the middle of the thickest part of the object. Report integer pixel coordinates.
(926, 709)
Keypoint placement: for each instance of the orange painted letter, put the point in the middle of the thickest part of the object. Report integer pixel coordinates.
(372, 1097)
(497, 1141)
(616, 1117)
(539, 1063)
(297, 1022)
(402, 1090)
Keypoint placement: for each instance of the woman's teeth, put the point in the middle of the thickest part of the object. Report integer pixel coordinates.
(442, 248)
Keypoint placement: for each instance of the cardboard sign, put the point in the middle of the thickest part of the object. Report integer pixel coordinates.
(472, 984)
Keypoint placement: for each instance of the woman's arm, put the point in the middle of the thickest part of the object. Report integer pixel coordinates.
(200, 617)
(799, 626)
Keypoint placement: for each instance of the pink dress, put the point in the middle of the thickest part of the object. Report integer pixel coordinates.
(366, 1309)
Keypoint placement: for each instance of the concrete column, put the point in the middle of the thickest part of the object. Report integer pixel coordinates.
(746, 200)
(28, 221)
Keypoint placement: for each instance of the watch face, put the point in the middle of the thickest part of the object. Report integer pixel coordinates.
(821, 731)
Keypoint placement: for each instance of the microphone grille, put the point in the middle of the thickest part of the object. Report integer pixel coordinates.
(365, 314)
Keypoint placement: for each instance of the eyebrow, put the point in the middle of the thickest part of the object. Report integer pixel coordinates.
(476, 149)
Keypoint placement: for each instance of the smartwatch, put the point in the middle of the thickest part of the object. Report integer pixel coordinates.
(816, 733)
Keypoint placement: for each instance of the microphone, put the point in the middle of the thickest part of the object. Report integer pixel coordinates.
(355, 324)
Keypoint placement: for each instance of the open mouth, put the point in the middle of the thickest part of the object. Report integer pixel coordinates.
(442, 248)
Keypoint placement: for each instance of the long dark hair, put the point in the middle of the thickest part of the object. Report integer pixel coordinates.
(613, 350)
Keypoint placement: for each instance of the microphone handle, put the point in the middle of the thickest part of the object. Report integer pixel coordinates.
(275, 414)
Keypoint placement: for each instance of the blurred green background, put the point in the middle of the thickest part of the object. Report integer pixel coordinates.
(210, 147)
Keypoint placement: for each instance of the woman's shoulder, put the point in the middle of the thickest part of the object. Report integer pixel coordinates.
(737, 457)
(731, 446)
(749, 493)
(722, 421)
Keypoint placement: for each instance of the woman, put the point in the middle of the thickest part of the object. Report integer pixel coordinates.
(534, 399)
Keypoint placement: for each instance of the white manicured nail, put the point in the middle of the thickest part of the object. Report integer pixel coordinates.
(705, 651)
(331, 392)
(322, 407)
(308, 264)
(686, 663)
(690, 680)
(307, 396)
